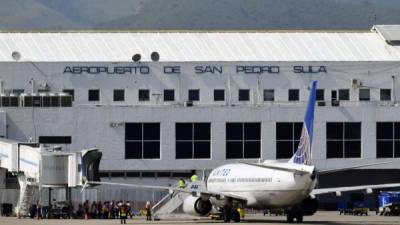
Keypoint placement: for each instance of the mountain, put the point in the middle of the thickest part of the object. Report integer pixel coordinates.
(197, 14)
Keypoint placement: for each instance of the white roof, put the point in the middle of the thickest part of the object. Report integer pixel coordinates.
(391, 33)
(197, 46)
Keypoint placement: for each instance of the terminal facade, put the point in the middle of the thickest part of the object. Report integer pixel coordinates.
(195, 101)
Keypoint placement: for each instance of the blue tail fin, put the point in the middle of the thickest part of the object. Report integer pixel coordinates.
(303, 153)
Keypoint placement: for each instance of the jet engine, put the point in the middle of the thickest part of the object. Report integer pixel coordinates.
(197, 206)
(309, 206)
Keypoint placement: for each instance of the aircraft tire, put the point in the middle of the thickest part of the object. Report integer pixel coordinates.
(227, 214)
(299, 217)
(236, 216)
(289, 217)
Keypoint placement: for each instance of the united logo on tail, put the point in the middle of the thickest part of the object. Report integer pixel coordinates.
(303, 153)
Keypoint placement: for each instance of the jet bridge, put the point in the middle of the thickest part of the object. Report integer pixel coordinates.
(38, 167)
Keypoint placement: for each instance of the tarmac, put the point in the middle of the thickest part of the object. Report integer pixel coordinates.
(322, 217)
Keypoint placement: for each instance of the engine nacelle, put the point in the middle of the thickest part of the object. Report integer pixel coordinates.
(196, 206)
(309, 206)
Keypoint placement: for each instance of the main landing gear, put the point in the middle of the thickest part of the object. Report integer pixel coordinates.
(230, 214)
(294, 213)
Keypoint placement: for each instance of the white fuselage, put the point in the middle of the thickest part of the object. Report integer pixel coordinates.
(263, 187)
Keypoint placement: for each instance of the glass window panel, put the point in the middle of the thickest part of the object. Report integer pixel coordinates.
(202, 131)
(151, 150)
(234, 131)
(27, 101)
(66, 101)
(344, 94)
(386, 94)
(252, 149)
(384, 149)
(269, 95)
(352, 130)
(71, 92)
(14, 101)
(334, 130)
(119, 95)
(184, 149)
(234, 150)
(5, 101)
(294, 94)
(320, 95)
(364, 95)
(151, 131)
(133, 150)
(252, 131)
(397, 130)
(284, 149)
(133, 131)
(384, 130)
(144, 95)
(55, 101)
(169, 95)
(352, 149)
(184, 131)
(201, 149)
(94, 95)
(194, 95)
(244, 94)
(46, 101)
(334, 149)
(298, 127)
(219, 95)
(397, 149)
(284, 131)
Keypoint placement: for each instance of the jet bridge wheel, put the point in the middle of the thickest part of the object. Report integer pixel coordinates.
(294, 213)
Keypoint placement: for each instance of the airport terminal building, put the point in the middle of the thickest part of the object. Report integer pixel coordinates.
(161, 104)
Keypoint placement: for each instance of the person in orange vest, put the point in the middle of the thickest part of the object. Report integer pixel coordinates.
(123, 214)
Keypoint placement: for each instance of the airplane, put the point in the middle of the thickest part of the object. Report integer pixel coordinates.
(264, 185)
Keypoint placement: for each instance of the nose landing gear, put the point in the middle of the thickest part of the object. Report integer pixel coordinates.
(294, 213)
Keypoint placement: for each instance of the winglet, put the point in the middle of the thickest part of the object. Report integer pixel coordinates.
(303, 153)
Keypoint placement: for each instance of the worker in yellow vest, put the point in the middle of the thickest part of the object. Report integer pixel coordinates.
(181, 183)
(194, 177)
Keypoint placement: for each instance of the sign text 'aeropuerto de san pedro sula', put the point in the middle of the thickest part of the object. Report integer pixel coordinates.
(197, 69)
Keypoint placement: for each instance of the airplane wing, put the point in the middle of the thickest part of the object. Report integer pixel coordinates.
(350, 167)
(193, 189)
(278, 167)
(338, 190)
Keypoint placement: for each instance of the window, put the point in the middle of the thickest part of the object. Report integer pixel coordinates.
(243, 140)
(244, 95)
(94, 95)
(119, 95)
(287, 138)
(169, 95)
(344, 94)
(194, 95)
(388, 139)
(18, 91)
(343, 140)
(269, 95)
(55, 139)
(294, 94)
(71, 92)
(193, 140)
(363, 95)
(142, 141)
(219, 95)
(386, 94)
(144, 95)
(320, 95)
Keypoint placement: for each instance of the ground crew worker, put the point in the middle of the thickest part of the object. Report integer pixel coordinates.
(148, 211)
(181, 183)
(194, 177)
(123, 214)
